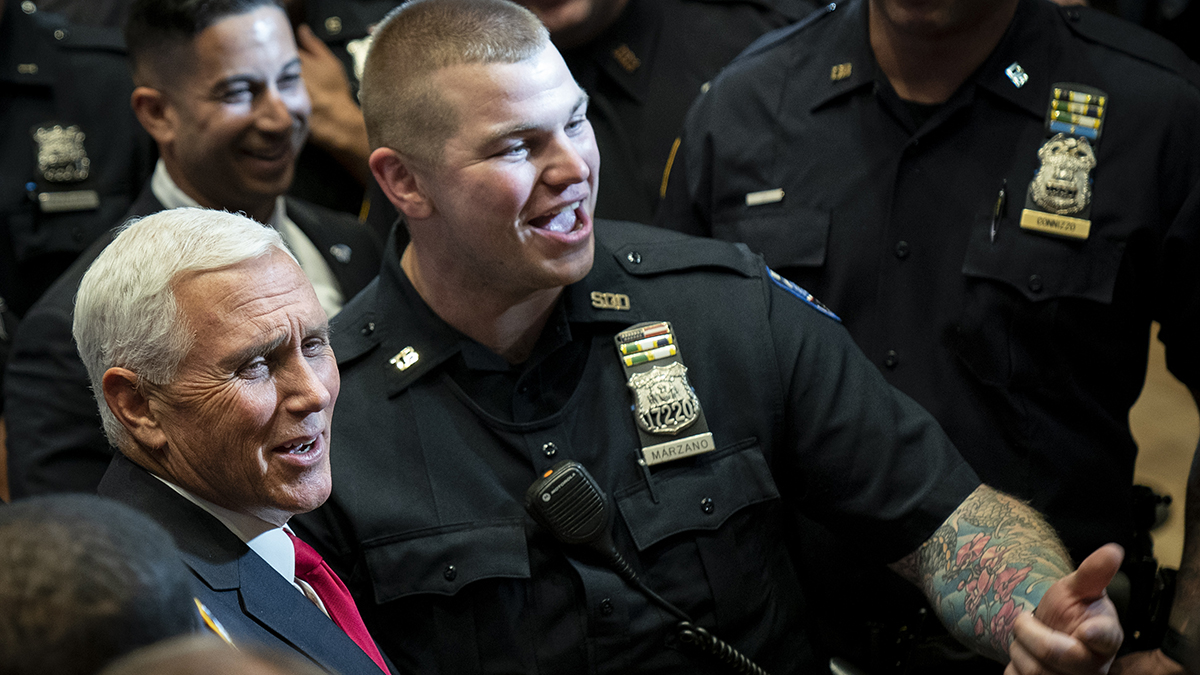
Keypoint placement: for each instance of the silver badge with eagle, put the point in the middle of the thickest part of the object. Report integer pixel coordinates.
(665, 402)
(1063, 183)
(61, 157)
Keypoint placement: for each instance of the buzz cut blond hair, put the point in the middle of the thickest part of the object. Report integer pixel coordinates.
(402, 106)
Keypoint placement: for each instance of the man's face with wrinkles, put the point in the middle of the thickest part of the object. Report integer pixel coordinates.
(247, 417)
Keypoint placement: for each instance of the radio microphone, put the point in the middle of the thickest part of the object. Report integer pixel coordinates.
(569, 503)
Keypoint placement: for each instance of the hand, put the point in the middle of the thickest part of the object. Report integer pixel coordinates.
(1075, 628)
(1146, 663)
(336, 123)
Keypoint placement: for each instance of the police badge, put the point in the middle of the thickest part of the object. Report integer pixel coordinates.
(60, 154)
(1060, 195)
(61, 159)
(1062, 185)
(664, 401)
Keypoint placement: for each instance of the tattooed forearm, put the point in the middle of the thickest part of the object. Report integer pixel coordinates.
(993, 558)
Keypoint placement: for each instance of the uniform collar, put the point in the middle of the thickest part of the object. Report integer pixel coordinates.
(847, 46)
(625, 51)
(400, 320)
(404, 324)
(27, 56)
(1025, 42)
(1028, 43)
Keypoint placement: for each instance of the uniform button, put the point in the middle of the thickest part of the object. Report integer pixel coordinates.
(706, 505)
(334, 25)
(606, 607)
(902, 249)
(1073, 14)
(28, 7)
(60, 34)
(634, 257)
(891, 359)
(369, 328)
(550, 449)
(451, 573)
(1035, 283)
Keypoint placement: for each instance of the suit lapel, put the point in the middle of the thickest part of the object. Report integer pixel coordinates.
(224, 563)
(281, 608)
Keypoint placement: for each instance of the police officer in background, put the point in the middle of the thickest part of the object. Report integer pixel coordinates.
(73, 156)
(998, 197)
(643, 62)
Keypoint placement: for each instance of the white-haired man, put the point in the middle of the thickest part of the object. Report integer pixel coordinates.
(209, 357)
(219, 89)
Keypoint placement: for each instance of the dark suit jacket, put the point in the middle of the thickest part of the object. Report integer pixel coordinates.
(250, 599)
(55, 440)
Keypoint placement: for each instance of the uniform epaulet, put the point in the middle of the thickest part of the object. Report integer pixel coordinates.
(642, 250)
(79, 37)
(779, 36)
(1099, 27)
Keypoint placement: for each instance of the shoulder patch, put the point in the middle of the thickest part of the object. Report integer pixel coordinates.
(1135, 41)
(789, 286)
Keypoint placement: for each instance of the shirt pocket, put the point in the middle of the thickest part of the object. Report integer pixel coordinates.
(443, 560)
(1016, 285)
(702, 496)
(796, 236)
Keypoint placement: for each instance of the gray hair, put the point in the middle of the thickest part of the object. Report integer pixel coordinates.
(402, 107)
(125, 312)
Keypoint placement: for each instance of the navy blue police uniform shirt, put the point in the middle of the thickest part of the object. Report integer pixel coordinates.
(644, 71)
(73, 155)
(438, 440)
(1028, 348)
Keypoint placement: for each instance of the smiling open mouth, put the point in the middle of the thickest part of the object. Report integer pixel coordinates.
(562, 221)
(299, 448)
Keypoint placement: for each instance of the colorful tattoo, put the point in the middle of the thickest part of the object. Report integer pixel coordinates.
(991, 560)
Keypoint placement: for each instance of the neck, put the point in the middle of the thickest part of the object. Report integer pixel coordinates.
(927, 64)
(260, 210)
(507, 325)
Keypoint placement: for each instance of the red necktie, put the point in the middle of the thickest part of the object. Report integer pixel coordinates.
(311, 569)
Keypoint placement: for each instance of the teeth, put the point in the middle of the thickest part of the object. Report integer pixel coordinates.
(570, 207)
(301, 449)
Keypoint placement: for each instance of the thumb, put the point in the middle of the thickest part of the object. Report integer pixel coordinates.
(1095, 572)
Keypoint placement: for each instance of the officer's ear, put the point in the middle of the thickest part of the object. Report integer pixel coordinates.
(400, 179)
(129, 403)
(155, 113)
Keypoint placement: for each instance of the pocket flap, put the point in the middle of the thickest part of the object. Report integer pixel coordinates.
(698, 497)
(442, 560)
(1041, 266)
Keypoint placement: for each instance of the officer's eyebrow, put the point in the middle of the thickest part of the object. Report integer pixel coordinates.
(522, 129)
